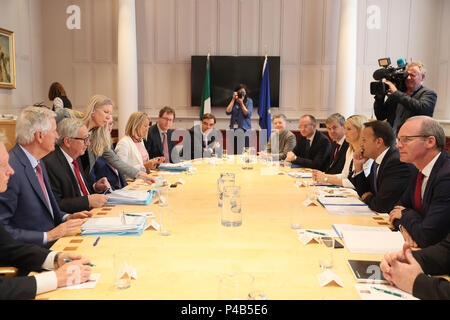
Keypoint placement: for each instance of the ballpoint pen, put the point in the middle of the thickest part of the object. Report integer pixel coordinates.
(315, 232)
(389, 292)
(96, 241)
(89, 264)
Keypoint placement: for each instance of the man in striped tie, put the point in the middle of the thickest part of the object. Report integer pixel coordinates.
(69, 183)
(422, 214)
(28, 208)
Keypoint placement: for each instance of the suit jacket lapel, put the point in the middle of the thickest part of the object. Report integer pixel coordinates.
(66, 167)
(31, 176)
(433, 176)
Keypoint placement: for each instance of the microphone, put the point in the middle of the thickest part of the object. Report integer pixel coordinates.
(380, 74)
(401, 63)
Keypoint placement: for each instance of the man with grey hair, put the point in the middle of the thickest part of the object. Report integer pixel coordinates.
(422, 214)
(335, 126)
(31, 257)
(28, 208)
(399, 106)
(67, 177)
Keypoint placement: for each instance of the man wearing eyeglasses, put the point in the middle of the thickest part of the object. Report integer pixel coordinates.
(28, 208)
(423, 212)
(68, 180)
(313, 148)
(399, 106)
(159, 140)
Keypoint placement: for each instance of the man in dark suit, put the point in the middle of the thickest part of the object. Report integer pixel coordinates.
(159, 141)
(399, 106)
(33, 258)
(70, 186)
(104, 169)
(335, 126)
(205, 139)
(28, 208)
(423, 212)
(313, 147)
(410, 270)
(389, 176)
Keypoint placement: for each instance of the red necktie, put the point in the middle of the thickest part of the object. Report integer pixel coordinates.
(338, 146)
(40, 177)
(165, 148)
(418, 192)
(80, 181)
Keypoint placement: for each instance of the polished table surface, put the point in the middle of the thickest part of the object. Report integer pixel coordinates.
(189, 263)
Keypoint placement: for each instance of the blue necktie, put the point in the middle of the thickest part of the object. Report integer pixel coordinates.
(374, 168)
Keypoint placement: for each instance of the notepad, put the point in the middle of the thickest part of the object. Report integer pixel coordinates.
(340, 201)
(138, 197)
(181, 166)
(373, 242)
(113, 226)
(341, 228)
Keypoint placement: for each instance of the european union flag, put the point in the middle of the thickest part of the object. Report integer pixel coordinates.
(265, 120)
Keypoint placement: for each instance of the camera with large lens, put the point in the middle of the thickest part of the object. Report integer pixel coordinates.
(240, 94)
(395, 75)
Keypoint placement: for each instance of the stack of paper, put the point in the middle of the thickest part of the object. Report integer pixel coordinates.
(114, 226)
(181, 166)
(142, 197)
(337, 204)
(297, 174)
(371, 240)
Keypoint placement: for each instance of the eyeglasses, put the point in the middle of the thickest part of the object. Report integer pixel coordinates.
(167, 119)
(305, 126)
(407, 139)
(85, 140)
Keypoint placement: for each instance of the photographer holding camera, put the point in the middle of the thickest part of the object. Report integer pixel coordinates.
(399, 106)
(240, 108)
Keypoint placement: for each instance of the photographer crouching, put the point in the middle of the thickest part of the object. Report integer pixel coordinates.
(406, 99)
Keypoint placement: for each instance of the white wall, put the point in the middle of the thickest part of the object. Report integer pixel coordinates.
(23, 18)
(303, 32)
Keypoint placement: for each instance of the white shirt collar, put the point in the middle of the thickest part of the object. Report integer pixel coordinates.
(427, 170)
(68, 158)
(341, 142)
(380, 158)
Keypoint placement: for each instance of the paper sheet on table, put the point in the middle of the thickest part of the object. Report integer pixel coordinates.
(341, 228)
(340, 201)
(90, 284)
(350, 210)
(373, 242)
(297, 174)
(366, 292)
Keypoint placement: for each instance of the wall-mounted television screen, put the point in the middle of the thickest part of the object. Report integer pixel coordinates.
(226, 72)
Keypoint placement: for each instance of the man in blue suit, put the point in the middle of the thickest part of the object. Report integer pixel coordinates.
(423, 212)
(28, 208)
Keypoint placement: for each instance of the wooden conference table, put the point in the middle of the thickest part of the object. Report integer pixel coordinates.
(189, 263)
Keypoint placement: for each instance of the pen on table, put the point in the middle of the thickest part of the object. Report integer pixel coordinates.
(96, 241)
(389, 292)
(315, 232)
(328, 196)
(133, 215)
(89, 264)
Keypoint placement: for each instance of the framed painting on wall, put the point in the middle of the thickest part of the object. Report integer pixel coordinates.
(7, 60)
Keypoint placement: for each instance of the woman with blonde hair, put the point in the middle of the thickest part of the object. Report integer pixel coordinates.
(97, 114)
(353, 127)
(131, 147)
